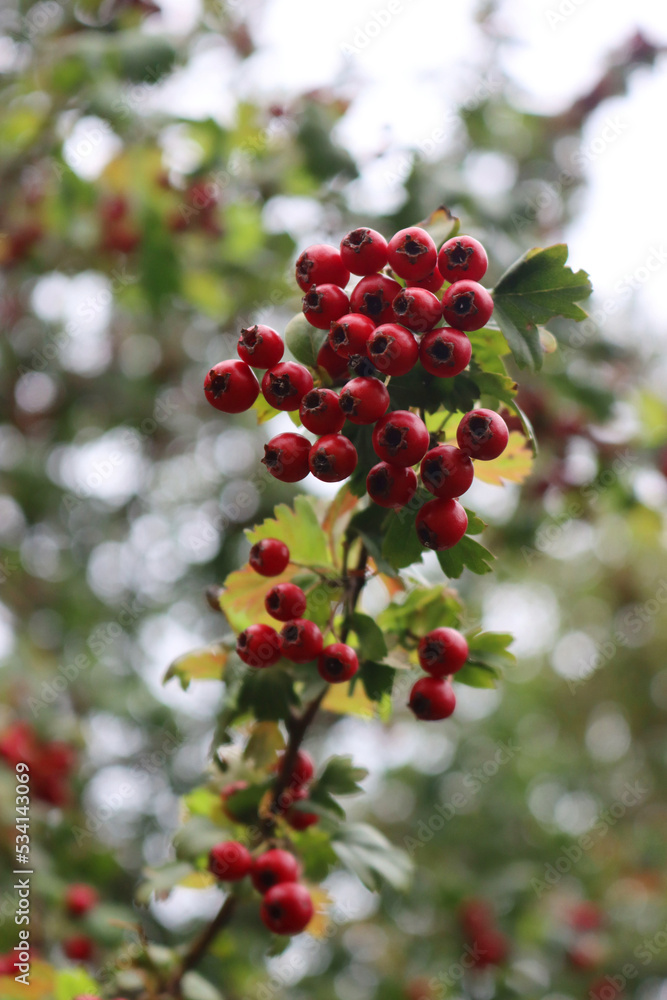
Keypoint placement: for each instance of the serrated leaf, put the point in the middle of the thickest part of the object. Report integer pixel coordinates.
(369, 855)
(441, 225)
(299, 528)
(341, 777)
(304, 340)
(377, 679)
(513, 466)
(466, 554)
(268, 694)
(321, 803)
(265, 741)
(339, 700)
(200, 665)
(401, 546)
(496, 385)
(371, 639)
(491, 649)
(424, 608)
(194, 838)
(477, 675)
(475, 524)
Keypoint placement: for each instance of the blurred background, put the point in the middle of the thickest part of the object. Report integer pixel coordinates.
(161, 166)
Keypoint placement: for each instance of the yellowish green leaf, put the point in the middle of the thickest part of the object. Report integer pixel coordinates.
(200, 665)
(513, 466)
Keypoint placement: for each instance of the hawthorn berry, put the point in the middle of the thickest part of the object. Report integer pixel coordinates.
(78, 948)
(321, 264)
(447, 472)
(322, 304)
(490, 948)
(445, 352)
(285, 601)
(80, 898)
(231, 386)
(287, 908)
(229, 861)
(442, 651)
(432, 699)
(299, 819)
(475, 915)
(373, 297)
(321, 413)
(363, 251)
(333, 364)
(332, 458)
(482, 434)
(400, 438)
(391, 485)
(274, 867)
(441, 524)
(349, 334)
(337, 663)
(467, 305)
(417, 308)
(462, 257)
(364, 400)
(258, 646)
(269, 557)
(392, 349)
(260, 346)
(412, 253)
(286, 457)
(433, 282)
(285, 385)
(302, 770)
(227, 795)
(300, 640)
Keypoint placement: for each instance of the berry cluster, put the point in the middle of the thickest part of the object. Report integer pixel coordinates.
(441, 653)
(50, 762)
(388, 323)
(489, 945)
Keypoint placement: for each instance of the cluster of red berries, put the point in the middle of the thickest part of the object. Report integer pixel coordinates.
(373, 336)
(296, 790)
(50, 763)
(79, 900)
(441, 653)
(489, 945)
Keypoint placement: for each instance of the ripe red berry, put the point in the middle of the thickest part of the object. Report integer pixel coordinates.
(363, 251)
(364, 400)
(412, 253)
(417, 308)
(320, 411)
(332, 458)
(274, 867)
(447, 472)
(78, 948)
(285, 385)
(259, 646)
(462, 257)
(392, 349)
(445, 352)
(322, 304)
(349, 334)
(400, 438)
(286, 457)
(229, 861)
(302, 771)
(334, 364)
(337, 663)
(321, 264)
(231, 386)
(80, 898)
(269, 557)
(475, 915)
(432, 699)
(287, 908)
(490, 948)
(373, 297)
(391, 485)
(299, 819)
(285, 602)
(260, 346)
(482, 434)
(441, 524)
(301, 640)
(467, 305)
(433, 282)
(442, 651)
(227, 795)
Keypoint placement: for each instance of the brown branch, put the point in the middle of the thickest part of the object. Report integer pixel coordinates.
(201, 945)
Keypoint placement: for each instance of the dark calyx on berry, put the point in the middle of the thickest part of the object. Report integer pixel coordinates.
(272, 458)
(250, 338)
(281, 386)
(420, 704)
(381, 482)
(412, 248)
(480, 427)
(459, 256)
(313, 299)
(441, 351)
(273, 601)
(291, 633)
(349, 403)
(463, 304)
(333, 666)
(428, 538)
(304, 266)
(357, 239)
(379, 345)
(314, 402)
(323, 464)
(374, 303)
(394, 438)
(218, 383)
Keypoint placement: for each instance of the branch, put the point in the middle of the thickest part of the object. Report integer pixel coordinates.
(201, 944)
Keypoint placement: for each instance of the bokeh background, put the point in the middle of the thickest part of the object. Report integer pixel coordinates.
(161, 165)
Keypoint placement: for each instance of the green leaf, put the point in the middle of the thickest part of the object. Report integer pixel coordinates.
(264, 743)
(369, 526)
(341, 777)
(490, 649)
(369, 855)
(193, 839)
(267, 694)
(159, 881)
(369, 633)
(303, 340)
(497, 386)
(441, 225)
(160, 267)
(315, 852)
(200, 665)
(401, 546)
(321, 802)
(377, 678)
(195, 987)
(299, 529)
(477, 676)
(71, 983)
(361, 437)
(475, 524)
(466, 554)
(424, 609)
(535, 289)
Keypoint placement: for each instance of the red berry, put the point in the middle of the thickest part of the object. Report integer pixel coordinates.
(432, 699)
(332, 458)
(373, 297)
(269, 557)
(259, 646)
(114, 208)
(299, 819)
(482, 434)
(349, 334)
(321, 264)
(285, 385)
(260, 346)
(78, 948)
(445, 352)
(490, 948)
(287, 908)
(363, 251)
(417, 308)
(301, 640)
(337, 663)
(443, 651)
(462, 257)
(320, 411)
(391, 485)
(392, 349)
(80, 898)
(286, 457)
(334, 364)
(400, 438)
(322, 304)
(433, 282)
(412, 253)
(467, 305)
(364, 400)
(302, 771)
(285, 602)
(476, 916)
(441, 524)
(227, 793)
(447, 471)
(274, 867)
(586, 916)
(229, 861)
(231, 386)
